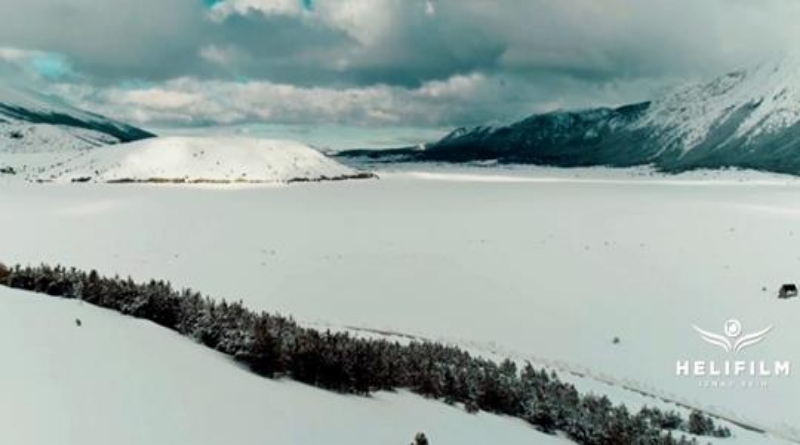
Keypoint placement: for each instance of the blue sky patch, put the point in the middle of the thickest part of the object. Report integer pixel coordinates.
(51, 66)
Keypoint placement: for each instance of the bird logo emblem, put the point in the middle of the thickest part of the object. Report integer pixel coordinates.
(733, 339)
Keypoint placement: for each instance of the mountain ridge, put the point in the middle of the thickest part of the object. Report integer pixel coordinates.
(748, 119)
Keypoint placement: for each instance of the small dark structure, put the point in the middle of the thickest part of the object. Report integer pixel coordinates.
(4, 273)
(788, 291)
(420, 439)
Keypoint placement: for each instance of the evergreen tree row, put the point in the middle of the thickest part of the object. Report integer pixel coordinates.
(276, 346)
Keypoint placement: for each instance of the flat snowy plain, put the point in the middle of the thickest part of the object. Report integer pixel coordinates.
(548, 265)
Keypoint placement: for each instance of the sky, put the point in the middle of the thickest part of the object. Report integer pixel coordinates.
(376, 63)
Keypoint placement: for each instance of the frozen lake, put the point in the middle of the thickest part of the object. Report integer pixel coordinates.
(547, 265)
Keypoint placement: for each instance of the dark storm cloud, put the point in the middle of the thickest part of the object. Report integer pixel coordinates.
(278, 48)
(106, 39)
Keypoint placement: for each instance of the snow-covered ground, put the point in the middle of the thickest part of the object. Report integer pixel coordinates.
(120, 380)
(494, 172)
(544, 266)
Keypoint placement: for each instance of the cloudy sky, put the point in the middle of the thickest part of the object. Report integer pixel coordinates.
(376, 63)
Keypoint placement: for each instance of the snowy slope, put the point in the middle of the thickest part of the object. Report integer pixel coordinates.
(745, 119)
(762, 101)
(38, 132)
(25, 137)
(212, 159)
(124, 381)
(31, 122)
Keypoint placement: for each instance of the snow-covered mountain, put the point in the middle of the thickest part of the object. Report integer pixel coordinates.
(744, 119)
(196, 159)
(31, 122)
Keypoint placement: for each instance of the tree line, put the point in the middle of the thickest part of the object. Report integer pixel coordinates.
(275, 346)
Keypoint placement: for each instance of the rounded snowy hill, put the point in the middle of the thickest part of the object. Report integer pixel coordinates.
(206, 159)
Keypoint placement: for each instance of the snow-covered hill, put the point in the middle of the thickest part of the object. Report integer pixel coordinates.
(121, 380)
(32, 122)
(745, 119)
(210, 159)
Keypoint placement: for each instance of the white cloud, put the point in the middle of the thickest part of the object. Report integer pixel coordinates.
(224, 56)
(430, 9)
(460, 100)
(222, 10)
(459, 86)
(16, 54)
(192, 101)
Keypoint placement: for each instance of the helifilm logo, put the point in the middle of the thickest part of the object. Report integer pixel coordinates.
(734, 372)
